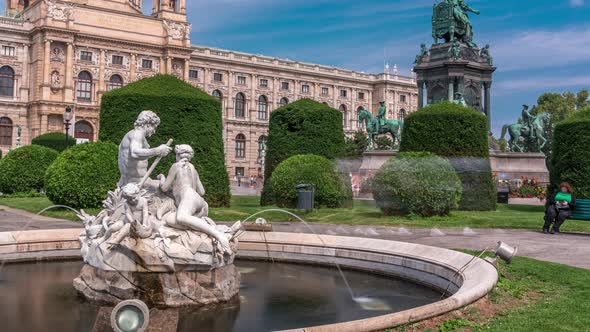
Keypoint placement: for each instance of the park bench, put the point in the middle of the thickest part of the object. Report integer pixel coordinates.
(582, 210)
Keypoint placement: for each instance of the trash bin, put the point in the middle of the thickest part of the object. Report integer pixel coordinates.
(305, 196)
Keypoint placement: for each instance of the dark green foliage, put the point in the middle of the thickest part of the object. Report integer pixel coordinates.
(55, 141)
(331, 190)
(188, 115)
(23, 169)
(82, 175)
(356, 145)
(383, 142)
(302, 127)
(416, 182)
(460, 134)
(571, 154)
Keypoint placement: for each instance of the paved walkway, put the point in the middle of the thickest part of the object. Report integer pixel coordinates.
(570, 249)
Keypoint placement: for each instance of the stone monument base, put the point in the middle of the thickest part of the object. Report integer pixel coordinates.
(515, 165)
(176, 289)
(372, 162)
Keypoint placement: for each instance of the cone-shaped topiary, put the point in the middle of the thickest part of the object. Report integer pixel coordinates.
(23, 169)
(302, 127)
(55, 141)
(460, 134)
(570, 161)
(330, 189)
(82, 175)
(188, 115)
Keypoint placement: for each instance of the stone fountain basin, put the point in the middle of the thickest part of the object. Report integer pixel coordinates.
(433, 267)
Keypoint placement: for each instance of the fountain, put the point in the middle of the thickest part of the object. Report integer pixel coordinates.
(153, 240)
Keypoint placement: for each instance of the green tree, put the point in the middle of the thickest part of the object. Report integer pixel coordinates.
(383, 143)
(356, 145)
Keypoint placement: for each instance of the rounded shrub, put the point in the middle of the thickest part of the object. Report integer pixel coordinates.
(23, 169)
(55, 141)
(461, 135)
(302, 127)
(416, 182)
(187, 114)
(82, 175)
(330, 188)
(571, 154)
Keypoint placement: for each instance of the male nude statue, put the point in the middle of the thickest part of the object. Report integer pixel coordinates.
(192, 210)
(134, 150)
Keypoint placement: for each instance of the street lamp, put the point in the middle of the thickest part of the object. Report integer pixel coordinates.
(68, 115)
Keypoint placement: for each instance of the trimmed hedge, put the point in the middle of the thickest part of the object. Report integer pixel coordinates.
(302, 127)
(188, 115)
(82, 175)
(416, 182)
(23, 169)
(331, 190)
(460, 134)
(570, 160)
(55, 141)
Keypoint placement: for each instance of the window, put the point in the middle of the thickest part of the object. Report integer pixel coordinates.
(5, 132)
(193, 74)
(402, 98)
(86, 56)
(217, 94)
(240, 146)
(115, 82)
(117, 60)
(147, 64)
(402, 114)
(264, 83)
(8, 51)
(361, 124)
(83, 130)
(240, 107)
(84, 87)
(343, 93)
(342, 109)
(305, 88)
(285, 85)
(261, 146)
(361, 96)
(262, 108)
(6, 81)
(217, 77)
(284, 101)
(240, 171)
(241, 80)
(325, 91)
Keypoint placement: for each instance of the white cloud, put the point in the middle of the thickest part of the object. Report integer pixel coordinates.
(576, 3)
(547, 82)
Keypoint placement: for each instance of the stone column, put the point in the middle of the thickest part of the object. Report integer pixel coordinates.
(420, 95)
(162, 66)
(275, 96)
(335, 96)
(169, 65)
(187, 67)
(69, 81)
(44, 122)
(451, 89)
(25, 78)
(316, 91)
(183, 6)
(254, 100)
(488, 103)
(132, 65)
(230, 95)
(47, 62)
(101, 72)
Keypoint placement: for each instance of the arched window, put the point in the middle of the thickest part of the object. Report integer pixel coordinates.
(6, 81)
(262, 108)
(217, 94)
(240, 107)
(5, 132)
(342, 109)
(261, 145)
(283, 102)
(358, 110)
(401, 115)
(240, 146)
(115, 82)
(84, 87)
(83, 130)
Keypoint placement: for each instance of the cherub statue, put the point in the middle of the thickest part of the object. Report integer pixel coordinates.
(423, 53)
(188, 191)
(455, 50)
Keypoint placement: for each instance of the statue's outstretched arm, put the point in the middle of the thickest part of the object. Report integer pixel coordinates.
(468, 8)
(166, 183)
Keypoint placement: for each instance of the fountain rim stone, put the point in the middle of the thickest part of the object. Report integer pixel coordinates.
(434, 267)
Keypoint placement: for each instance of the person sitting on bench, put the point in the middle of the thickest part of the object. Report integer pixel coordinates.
(559, 208)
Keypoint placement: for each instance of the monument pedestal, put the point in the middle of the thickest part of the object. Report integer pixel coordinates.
(372, 162)
(516, 165)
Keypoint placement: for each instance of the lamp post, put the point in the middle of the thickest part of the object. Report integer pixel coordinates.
(68, 115)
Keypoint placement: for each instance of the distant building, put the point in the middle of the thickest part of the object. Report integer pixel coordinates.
(59, 53)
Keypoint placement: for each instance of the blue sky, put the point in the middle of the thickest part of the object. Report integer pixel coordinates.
(538, 46)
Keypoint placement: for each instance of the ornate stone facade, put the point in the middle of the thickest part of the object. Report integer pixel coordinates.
(72, 52)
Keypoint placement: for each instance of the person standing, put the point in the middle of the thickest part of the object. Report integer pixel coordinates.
(559, 209)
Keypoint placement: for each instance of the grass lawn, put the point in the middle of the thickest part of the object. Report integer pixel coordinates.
(530, 296)
(363, 213)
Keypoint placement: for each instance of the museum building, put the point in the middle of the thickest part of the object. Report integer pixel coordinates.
(55, 54)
